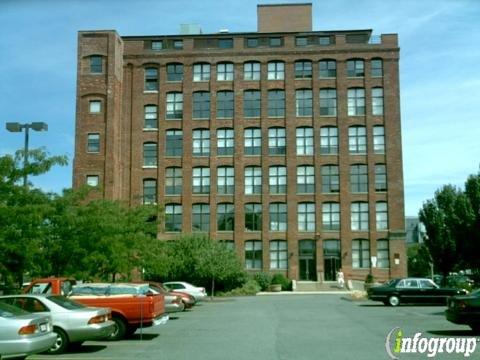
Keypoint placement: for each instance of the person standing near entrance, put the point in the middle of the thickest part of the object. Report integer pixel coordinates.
(340, 278)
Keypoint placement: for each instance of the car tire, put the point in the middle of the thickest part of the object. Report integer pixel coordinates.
(393, 300)
(61, 343)
(119, 330)
(131, 330)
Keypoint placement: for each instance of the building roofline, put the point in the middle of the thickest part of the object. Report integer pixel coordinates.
(285, 4)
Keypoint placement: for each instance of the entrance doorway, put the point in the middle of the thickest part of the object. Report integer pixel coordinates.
(307, 260)
(331, 259)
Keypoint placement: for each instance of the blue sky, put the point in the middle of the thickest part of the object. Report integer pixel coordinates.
(439, 70)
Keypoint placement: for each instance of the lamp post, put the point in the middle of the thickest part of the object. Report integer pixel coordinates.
(17, 127)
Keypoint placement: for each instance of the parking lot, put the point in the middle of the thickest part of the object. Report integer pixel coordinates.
(279, 327)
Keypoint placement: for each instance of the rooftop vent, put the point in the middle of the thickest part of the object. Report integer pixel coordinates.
(190, 29)
(223, 31)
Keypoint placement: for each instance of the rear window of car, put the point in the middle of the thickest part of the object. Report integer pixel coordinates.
(65, 303)
(9, 311)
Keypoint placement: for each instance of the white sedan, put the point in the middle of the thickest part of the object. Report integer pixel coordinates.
(197, 292)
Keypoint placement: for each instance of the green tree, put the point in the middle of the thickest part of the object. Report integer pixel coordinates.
(418, 261)
(472, 246)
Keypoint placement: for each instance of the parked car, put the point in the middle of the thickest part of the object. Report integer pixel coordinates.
(73, 323)
(22, 333)
(173, 303)
(187, 299)
(465, 309)
(197, 292)
(412, 290)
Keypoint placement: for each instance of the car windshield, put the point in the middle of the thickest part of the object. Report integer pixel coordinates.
(65, 303)
(9, 311)
(476, 292)
(391, 282)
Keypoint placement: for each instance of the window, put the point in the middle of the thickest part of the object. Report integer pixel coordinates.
(381, 217)
(174, 105)
(150, 154)
(156, 45)
(355, 68)
(278, 216)
(151, 79)
(376, 67)
(253, 254)
(377, 101)
(253, 141)
(275, 41)
(328, 102)
(253, 180)
(330, 179)
(356, 101)
(380, 177)
(251, 71)
(306, 216)
(252, 42)
(359, 216)
(173, 181)
(253, 217)
(225, 217)
(201, 72)
(251, 103)
(303, 69)
(95, 106)
(328, 140)
(225, 104)
(92, 180)
(383, 253)
(327, 68)
(225, 180)
(276, 103)
(358, 178)
(225, 43)
(229, 244)
(150, 117)
(303, 102)
(225, 141)
(276, 141)
(178, 44)
(174, 72)
(357, 140)
(278, 254)
(149, 191)
(305, 179)
(379, 139)
(360, 253)
(173, 217)
(225, 72)
(200, 217)
(93, 143)
(277, 180)
(301, 41)
(96, 64)
(331, 216)
(304, 141)
(201, 180)
(324, 40)
(276, 70)
(173, 144)
(201, 105)
(201, 142)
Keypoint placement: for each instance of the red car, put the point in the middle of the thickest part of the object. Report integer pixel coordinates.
(187, 299)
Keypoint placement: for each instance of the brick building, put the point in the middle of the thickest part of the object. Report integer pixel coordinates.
(285, 143)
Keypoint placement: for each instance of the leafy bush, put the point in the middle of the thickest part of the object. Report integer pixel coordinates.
(369, 279)
(251, 287)
(281, 279)
(263, 279)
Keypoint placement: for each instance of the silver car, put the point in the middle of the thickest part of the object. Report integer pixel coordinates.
(22, 333)
(73, 323)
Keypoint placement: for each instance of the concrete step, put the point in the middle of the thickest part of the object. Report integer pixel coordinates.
(317, 286)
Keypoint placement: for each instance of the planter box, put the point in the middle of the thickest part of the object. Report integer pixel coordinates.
(275, 288)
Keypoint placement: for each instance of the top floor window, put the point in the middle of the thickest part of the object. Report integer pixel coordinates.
(376, 67)
(156, 45)
(201, 72)
(355, 68)
(174, 72)
(276, 70)
(151, 79)
(225, 43)
(275, 41)
(96, 63)
(301, 41)
(225, 72)
(324, 40)
(251, 70)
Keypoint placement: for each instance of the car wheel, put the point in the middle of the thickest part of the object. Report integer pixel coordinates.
(61, 343)
(393, 300)
(131, 330)
(119, 329)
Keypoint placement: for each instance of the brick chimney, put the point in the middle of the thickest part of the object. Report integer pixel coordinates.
(284, 17)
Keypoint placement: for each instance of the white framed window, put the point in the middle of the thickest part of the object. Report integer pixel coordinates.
(253, 180)
(359, 216)
(278, 254)
(201, 72)
(306, 216)
(377, 101)
(225, 72)
(251, 70)
(304, 140)
(92, 180)
(201, 142)
(95, 106)
(381, 215)
(276, 70)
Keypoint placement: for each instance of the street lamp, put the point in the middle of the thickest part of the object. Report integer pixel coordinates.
(17, 127)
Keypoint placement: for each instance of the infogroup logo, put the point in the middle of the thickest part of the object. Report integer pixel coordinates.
(396, 343)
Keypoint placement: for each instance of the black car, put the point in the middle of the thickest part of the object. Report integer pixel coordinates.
(465, 310)
(412, 290)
